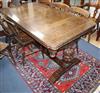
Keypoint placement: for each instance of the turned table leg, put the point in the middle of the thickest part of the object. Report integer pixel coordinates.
(0, 4)
(98, 35)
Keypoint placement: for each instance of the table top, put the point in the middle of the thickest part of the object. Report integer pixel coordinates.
(50, 27)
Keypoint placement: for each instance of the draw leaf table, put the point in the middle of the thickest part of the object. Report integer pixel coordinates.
(53, 30)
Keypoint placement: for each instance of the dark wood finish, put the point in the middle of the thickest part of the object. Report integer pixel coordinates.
(96, 5)
(13, 33)
(40, 26)
(98, 35)
(98, 28)
(9, 3)
(52, 30)
(90, 4)
(67, 2)
(2, 33)
(0, 4)
(81, 2)
(58, 73)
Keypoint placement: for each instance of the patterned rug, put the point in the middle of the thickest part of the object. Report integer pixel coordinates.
(80, 79)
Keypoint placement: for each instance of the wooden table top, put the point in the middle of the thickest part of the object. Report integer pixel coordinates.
(50, 27)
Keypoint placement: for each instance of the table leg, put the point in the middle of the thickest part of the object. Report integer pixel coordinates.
(69, 52)
(57, 74)
(0, 4)
(67, 62)
(98, 35)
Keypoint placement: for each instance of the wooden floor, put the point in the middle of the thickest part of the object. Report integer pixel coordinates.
(97, 89)
(93, 40)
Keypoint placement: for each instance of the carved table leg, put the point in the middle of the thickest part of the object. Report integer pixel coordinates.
(69, 52)
(67, 62)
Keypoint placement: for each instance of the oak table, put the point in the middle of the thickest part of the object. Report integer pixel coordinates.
(53, 30)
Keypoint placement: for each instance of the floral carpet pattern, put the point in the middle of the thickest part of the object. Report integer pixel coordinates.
(80, 79)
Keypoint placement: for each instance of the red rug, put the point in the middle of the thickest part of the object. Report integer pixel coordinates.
(47, 67)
